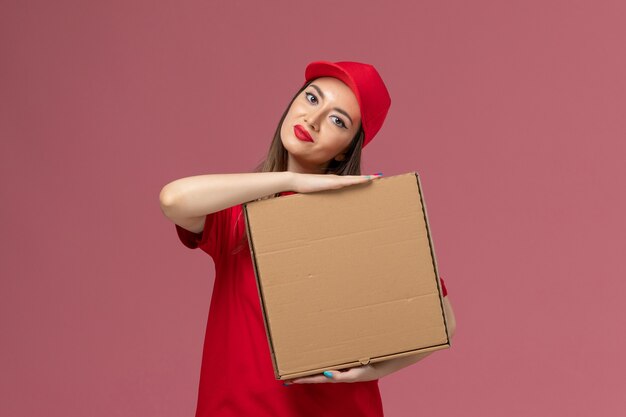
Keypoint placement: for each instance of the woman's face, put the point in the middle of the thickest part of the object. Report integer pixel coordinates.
(328, 111)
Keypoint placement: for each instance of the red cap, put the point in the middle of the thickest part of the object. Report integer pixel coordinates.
(367, 85)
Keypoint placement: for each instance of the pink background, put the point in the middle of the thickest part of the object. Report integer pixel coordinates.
(513, 113)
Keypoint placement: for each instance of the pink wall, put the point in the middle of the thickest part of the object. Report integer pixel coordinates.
(512, 112)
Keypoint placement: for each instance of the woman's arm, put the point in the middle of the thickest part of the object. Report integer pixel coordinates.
(390, 366)
(188, 200)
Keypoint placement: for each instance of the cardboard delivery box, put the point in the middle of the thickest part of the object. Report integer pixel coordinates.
(347, 276)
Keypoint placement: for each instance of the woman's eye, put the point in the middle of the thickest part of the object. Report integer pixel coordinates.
(340, 121)
(310, 95)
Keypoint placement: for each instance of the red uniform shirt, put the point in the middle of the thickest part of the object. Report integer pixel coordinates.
(237, 376)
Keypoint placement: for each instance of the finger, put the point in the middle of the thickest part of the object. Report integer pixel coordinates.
(333, 375)
(350, 374)
(373, 176)
(309, 380)
(348, 180)
(327, 376)
(359, 178)
(343, 375)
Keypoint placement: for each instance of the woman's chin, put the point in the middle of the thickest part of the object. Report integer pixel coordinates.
(297, 147)
(303, 160)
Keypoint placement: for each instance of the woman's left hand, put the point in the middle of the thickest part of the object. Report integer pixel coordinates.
(357, 374)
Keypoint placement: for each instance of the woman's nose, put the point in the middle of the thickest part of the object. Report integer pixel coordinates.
(312, 119)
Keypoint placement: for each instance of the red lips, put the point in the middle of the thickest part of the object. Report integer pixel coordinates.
(302, 134)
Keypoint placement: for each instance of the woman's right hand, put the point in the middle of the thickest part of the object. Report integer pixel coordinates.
(309, 183)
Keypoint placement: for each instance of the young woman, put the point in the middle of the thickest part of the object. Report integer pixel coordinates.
(317, 146)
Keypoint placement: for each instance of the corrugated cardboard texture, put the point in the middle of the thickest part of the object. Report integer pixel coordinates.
(346, 277)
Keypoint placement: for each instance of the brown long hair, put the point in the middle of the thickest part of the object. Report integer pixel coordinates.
(276, 160)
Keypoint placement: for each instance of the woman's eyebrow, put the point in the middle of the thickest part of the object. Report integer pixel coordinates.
(319, 91)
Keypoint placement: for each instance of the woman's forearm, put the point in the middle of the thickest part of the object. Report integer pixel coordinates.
(394, 365)
(203, 194)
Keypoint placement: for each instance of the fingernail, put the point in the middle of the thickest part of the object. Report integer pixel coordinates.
(328, 374)
(285, 384)
(379, 174)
